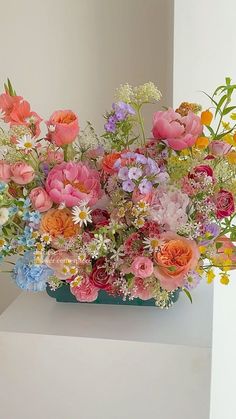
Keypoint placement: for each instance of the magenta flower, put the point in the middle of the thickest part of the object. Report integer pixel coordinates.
(179, 131)
(73, 183)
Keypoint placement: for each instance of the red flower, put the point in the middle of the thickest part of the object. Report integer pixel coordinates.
(100, 217)
(133, 245)
(99, 276)
(224, 204)
(203, 169)
(151, 229)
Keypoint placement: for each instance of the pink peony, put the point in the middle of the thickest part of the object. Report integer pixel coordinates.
(86, 292)
(22, 173)
(219, 148)
(5, 171)
(169, 208)
(40, 199)
(56, 260)
(224, 204)
(179, 131)
(73, 183)
(141, 290)
(63, 127)
(176, 258)
(142, 267)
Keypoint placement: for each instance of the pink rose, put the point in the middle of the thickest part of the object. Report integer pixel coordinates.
(56, 260)
(63, 127)
(179, 131)
(142, 267)
(41, 201)
(219, 148)
(86, 292)
(22, 173)
(176, 257)
(141, 290)
(5, 171)
(73, 183)
(99, 276)
(224, 204)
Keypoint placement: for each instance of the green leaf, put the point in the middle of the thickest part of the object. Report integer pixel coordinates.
(222, 100)
(229, 109)
(218, 245)
(211, 130)
(188, 295)
(233, 236)
(211, 98)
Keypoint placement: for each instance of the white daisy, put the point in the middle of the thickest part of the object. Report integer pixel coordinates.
(81, 215)
(152, 243)
(26, 143)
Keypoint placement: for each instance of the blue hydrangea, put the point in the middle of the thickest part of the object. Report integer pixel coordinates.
(3, 187)
(28, 276)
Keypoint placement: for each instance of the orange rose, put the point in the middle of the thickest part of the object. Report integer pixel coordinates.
(176, 257)
(58, 222)
(108, 163)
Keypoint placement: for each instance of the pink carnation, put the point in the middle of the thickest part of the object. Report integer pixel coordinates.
(179, 131)
(141, 290)
(142, 267)
(86, 292)
(73, 183)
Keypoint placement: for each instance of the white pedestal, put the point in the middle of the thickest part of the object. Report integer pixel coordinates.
(72, 361)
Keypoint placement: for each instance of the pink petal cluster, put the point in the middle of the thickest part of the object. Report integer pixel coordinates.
(40, 199)
(19, 172)
(73, 183)
(178, 131)
(63, 127)
(56, 260)
(86, 292)
(169, 207)
(141, 290)
(16, 111)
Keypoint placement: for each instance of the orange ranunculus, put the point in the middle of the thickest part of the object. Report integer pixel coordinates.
(206, 117)
(177, 256)
(202, 143)
(58, 222)
(108, 163)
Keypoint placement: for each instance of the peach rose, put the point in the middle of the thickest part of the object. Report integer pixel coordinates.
(56, 260)
(22, 173)
(41, 201)
(58, 222)
(177, 256)
(5, 171)
(63, 127)
(108, 163)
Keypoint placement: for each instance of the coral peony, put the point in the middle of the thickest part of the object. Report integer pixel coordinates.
(40, 199)
(108, 163)
(22, 173)
(58, 222)
(179, 131)
(73, 183)
(177, 256)
(63, 127)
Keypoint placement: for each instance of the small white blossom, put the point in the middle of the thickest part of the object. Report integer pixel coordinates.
(4, 215)
(26, 143)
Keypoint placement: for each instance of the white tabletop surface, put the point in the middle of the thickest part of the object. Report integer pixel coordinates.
(183, 324)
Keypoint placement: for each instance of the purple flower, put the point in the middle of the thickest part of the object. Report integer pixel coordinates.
(152, 168)
(110, 126)
(140, 158)
(192, 280)
(129, 155)
(128, 186)
(145, 186)
(162, 177)
(212, 230)
(123, 173)
(122, 110)
(135, 173)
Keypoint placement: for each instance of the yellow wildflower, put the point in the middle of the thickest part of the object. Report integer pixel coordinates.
(231, 157)
(202, 143)
(210, 276)
(224, 279)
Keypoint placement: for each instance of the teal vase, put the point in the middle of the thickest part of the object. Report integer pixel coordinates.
(63, 295)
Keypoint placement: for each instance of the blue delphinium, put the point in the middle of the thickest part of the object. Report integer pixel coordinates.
(28, 276)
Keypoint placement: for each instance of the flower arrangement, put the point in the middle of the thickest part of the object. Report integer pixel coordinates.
(137, 217)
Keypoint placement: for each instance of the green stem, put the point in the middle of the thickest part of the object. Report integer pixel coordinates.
(140, 119)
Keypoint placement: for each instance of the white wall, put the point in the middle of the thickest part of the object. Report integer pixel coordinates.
(204, 53)
(74, 53)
